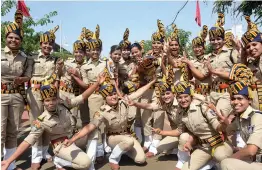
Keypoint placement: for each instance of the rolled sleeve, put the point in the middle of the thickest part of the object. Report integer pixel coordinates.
(77, 101)
(212, 118)
(98, 119)
(36, 132)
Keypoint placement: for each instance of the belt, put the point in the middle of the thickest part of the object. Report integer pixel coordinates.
(9, 88)
(58, 141)
(124, 132)
(213, 141)
(202, 89)
(64, 86)
(220, 87)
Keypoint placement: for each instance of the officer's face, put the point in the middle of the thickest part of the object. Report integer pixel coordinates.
(167, 97)
(184, 100)
(174, 47)
(79, 55)
(95, 53)
(198, 50)
(112, 99)
(217, 43)
(88, 53)
(46, 47)
(13, 41)
(136, 53)
(157, 47)
(125, 54)
(116, 56)
(50, 104)
(254, 49)
(239, 103)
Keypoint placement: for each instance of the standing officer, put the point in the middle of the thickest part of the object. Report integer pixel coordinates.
(57, 121)
(248, 125)
(16, 68)
(221, 59)
(252, 42)
(45, 71)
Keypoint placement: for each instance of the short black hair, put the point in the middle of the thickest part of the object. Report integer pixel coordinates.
(114, 48)
(136, 45)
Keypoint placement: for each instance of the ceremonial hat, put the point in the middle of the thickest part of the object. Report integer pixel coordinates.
(252, 34)
(183, 88)
(80, 43)
(49, 36)
(240, 72)
(16, 27)
(218, 30)
(106, 89)
(200, 40)
(125, 44)
(94, 42)
(160, 34)
(174, 34)
(240, 88)
(48, 91)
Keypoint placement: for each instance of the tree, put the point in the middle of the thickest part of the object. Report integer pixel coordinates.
(31, 38)
(240, 8)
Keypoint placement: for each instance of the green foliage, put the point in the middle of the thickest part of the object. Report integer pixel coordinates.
(253, 8)
(30, 42)
(64, 55)
(147, 46)
(208, 49)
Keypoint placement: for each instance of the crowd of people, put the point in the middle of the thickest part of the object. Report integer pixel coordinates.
(213, 101)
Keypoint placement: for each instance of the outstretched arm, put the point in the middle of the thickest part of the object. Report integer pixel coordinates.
(141, 90)
(175, 133)
(19, 151)
(80, 82)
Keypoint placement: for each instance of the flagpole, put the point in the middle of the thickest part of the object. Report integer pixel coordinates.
(61, 36)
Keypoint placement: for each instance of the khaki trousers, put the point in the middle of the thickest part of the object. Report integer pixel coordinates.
(130, 145)
(200, 157)
(148, 117)
(36, 109)
(236, 164)
(167, 145)
(222, 102)
(12, 107)
(73, 154)
(95, 101)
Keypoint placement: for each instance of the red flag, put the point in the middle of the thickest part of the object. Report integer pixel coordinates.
(21, 6)
(198, 16)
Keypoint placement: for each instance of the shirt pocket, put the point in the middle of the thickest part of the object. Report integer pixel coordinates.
(5, 65)
(19, 67)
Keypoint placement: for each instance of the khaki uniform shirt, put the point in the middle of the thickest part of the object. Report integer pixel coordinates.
(44, 67)
(91, 70)
(250, 126)
(223, 61)
(199, 64)
(115, 119)
(256, 68)
(12, 66)
(66, 77)
(57, 124)
(197, 124)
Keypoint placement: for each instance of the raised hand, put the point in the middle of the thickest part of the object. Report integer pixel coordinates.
(223, 119)
(4, 165)
(185, 59)
(101, 78)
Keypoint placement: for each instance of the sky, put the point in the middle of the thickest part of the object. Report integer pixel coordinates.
(115, 16)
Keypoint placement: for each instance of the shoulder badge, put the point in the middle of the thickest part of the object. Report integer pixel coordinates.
(36, 125)
(97, 114)
(258, 111)
(41, 118)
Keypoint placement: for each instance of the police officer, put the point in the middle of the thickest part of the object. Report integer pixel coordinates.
(252, 42)
(89, 72)
(16, 68)
(197, 66)
(247, 125)
(57, 121)
(45, 71)
(203, 124)
(114, 114)
(221, 59)
(68, 88)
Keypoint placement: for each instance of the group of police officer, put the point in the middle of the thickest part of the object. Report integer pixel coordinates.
(212, 101)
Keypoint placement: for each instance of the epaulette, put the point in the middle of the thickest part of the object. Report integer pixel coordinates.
(105, 108)
(41, 118)
(104, 59)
